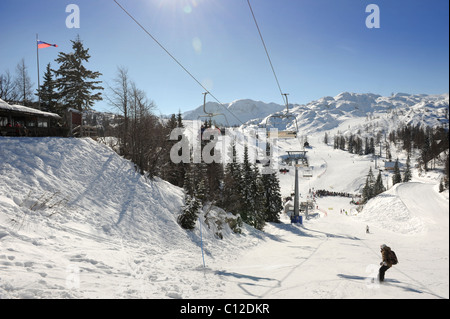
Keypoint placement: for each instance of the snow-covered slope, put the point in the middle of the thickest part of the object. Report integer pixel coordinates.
(331, 255)
(77, 220)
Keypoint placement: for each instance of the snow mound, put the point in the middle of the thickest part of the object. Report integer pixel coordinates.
(388, 211)
(82, 181)
(78, 221)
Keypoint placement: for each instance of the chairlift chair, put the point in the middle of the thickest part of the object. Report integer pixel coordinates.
(211, 115)
(308, 172)
(285, 115)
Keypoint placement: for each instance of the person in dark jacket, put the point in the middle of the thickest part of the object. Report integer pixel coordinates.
(385, 263)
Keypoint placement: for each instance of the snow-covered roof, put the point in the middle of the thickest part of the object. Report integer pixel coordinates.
(25, 109)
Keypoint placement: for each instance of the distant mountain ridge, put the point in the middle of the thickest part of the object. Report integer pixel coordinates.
(328, 112)
(244, 110)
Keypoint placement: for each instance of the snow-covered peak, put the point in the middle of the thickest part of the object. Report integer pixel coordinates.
(236, 112)
(329, 112)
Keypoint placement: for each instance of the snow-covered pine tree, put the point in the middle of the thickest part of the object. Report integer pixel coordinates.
(76, 84)
(195, 198)
(189, 212)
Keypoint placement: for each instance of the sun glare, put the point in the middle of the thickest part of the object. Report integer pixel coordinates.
(186, 6)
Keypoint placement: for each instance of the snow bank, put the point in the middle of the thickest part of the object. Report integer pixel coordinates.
(78, 221)
(388, 211)
(81, 181)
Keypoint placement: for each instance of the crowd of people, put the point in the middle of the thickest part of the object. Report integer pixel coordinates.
(323, 193)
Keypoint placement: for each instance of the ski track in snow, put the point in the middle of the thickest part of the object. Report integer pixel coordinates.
(112, 234)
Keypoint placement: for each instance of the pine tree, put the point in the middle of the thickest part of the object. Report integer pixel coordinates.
(232, 183)
(372, 146)
(407, 174)
(368, 190)
(342, 143)
(189, 212)
(246, 188)
(48, 94)
(172, 123)
(366, 147)
(213, 181)
(76, 83)
(180, 119)
(397, 178)
(273, 204)
(351, 143)
(257, 210)
(425, 152)
(378, 186)
(252, 208)
(173, 173)
(189, 181)
(335, 142)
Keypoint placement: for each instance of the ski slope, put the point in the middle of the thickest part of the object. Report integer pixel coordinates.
(332, 256)
(77, 221)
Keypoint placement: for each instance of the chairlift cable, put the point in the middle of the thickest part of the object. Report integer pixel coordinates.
(173, 58)
(283, 95)
(267, 52)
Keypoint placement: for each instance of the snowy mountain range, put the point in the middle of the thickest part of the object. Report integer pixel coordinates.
(236, 112)
(329, 112)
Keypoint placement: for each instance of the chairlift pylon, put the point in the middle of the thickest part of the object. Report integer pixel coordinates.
(284, 133)
(211, 115)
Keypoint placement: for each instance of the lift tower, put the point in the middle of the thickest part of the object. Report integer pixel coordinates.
(297, 156)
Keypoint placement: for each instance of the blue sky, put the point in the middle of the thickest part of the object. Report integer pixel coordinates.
(318, 47)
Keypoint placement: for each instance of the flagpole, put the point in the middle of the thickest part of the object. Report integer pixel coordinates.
(39, 85)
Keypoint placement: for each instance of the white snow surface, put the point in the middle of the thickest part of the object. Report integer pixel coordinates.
(77, 221)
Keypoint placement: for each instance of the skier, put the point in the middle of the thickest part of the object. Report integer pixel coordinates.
(367, 229)
(389, 259)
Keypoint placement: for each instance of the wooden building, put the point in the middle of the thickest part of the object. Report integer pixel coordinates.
(18, 120)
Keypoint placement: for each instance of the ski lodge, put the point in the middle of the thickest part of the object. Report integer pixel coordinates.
(19, 120)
